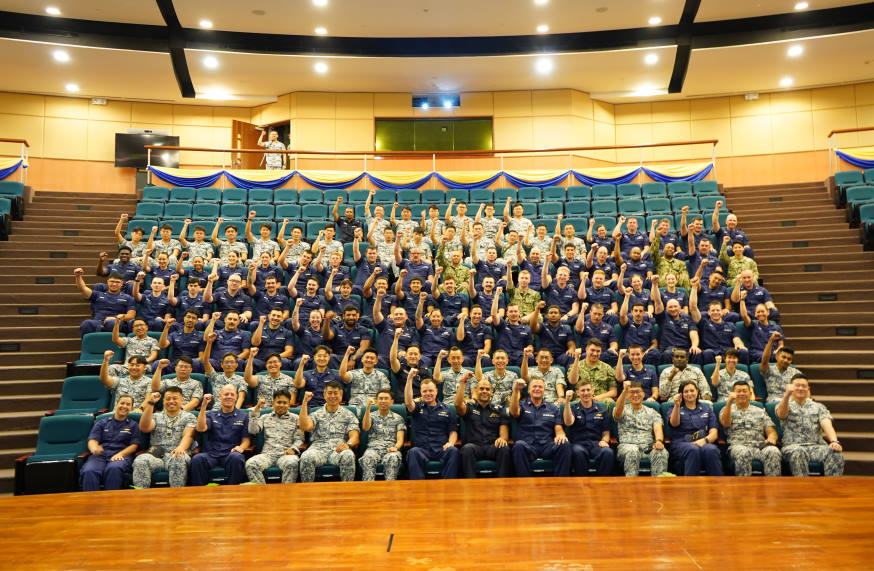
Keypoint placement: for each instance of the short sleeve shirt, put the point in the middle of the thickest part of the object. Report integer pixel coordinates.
(636, 426)
(169, 430)
(384, 430)
(747, 425)
(802, 425)
(331, 428)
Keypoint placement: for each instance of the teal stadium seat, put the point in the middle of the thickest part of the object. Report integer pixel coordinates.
(628, 190)
(145, 223)
(358, 195)
(869, 176)
(631, 206)
(235, 195)
(657, 205)
(284, 196)
(208, 194)
(260, 195)
(234, 211)
(384, 196)
(332, 194)
(856, 196)
(481, 195)
(289, 211)
(459, 194)
(502, 194)
(263, 210)
(83, 394)
(149, 210)
(581, 225)
(609, 222)
(177, 210)
(314, 212)
(529, 193)
(432, 196)
(408, 196)
(653, 189)
(579, 192)
(578, 208)
(205, 210)
(54, 466)
(708, 202)
(678, 202)
(604, 208)
(705, 187)
(155, 194)
(182, 194)
(309, 196)
(176, 224)
(679, 189)
(556, 193)
(603, 192)
(208, 225)
(549, 209)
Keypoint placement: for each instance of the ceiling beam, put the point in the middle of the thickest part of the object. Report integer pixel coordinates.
(684, 46)
(176, 47)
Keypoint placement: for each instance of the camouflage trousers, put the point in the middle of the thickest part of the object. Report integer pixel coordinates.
(799, 457)
(743, 457)
(630, 455)
(391, 464)
(314, 456)
(288, 463)
(146, 464)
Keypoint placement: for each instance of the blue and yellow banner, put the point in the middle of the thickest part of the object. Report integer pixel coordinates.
(468, 179)
(9, 166)
(862, 157)
(606, 175)
(679, 173)
(400, 179)
(187, 177)
(327, 180)
(536, 177)
(259, 178)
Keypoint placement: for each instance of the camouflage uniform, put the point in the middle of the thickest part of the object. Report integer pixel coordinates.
(382, 436)
(363, 385)
(268, 385)
(636, 439)
(602, 376)
(218, 380)
(803, 443)
(191, 389)
(667, 389)
(745, 439)
(281, 433)
(226, 248)
(727, 381)
(450, 380)
(203, 249)
(134, 346)
(165, 437)
(502, 387)
(329, 430)
(273, 161)
(260, 245)
(124, 385)
(552, 378)
(776, 381)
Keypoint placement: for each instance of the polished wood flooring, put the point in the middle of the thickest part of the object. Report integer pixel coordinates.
(541, 523)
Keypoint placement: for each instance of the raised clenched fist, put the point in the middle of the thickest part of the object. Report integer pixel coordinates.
(107, 355)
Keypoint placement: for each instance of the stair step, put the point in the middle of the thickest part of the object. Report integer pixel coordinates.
(10, 403)
(8, 456)
(32, 386)
(18, 439)
(52, 320)
(769, 258)
(38, 332)
(836, 371)
(848, 343)
(841, 388)
(826, 306)
(853, 422)
(49, 371)
(73, 297)
(865, 359)
(56, 344)
(792, 295)
(846, 404)
(21, 420)
(80, 310)
(858, 463)
(848, 319)
(37, 357)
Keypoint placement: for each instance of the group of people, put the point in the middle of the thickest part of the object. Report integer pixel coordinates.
(477, 301)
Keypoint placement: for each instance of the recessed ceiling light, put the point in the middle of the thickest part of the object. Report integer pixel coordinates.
(72, 87)
(542, 28)
(795, 51)
(801, 5)
(211, 62)
(447, 103)
(540, 2)
(786, 81)
(320, 2)
(321, 31)
(61, 56)
(206, 24)
(543, 65)
(53, 11)
(321, 67)
(655, 21)
(647, 90)
(651, 59)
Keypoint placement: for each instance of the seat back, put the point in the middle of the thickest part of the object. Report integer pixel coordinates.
(144, 223)
(314, 211)
(706, 187)
(579, 192)
(149, 210)
(869, 176)
(578, 208)
(653, 189)
(384, 196)
(657, 205)
(285, 196)
(155, 193)
(289, 211)
(860, 194)
(260, 195)
(332, 194)
(678, 202)
(529, 193)
(459, 194)
(580, 224)
(433, 196)
(603, 191)
(205, 210)
(708, 202)
(558, 193)
(235, 195)
(65, 435)
(84, 393)
(546, 209)
(309, 196)
(95, 344)
(628, 190)
(408, 196)
(177, 210)
(502, 194)
(182, 194)
(234, 210)
(628, 206)
(481, 195)
(604, 208)
(679, 188)
(358, 195)
(208, 194)
(263, 210)
(848, 178)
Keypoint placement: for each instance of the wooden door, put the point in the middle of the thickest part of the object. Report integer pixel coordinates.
(245, 136)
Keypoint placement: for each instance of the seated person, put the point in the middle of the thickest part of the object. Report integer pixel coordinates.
(737, 262)
(124, 267)
(226, 439)
(641, 432)
(560, 292)
(638, 372)
(725, 378)
(133, 384)
(140, 345)
(190, 300)
(750, 433)
(435, 430)
(484, 294)
(295, 247)
(598, 260)
(518, 223)
(308, 300)
(474, 335)
(347, 225)
(587, 424)
(269, 382)
(258, 274)
(639, 331)
(166, 245)
(671, 291)
(228, 339)
(234, 267)
(228, 374)
(364, 383)
(500, 379)
(638, 293)
(521, 295)
(451, 375)
(450, 301)
(569, 237)
(386, 430)
(348, 332)
(634, 264)
(335, 432)
(327, 239)
(676, 329)
(333, 271)
(594, 370)
(554, 336)
(703, 255)
(263, 244)
(271, 297)
(714, 289)
(593, 326)
(753, 294)
(317, 377)
(386, 328)
(574, 265)
(172, 431)
(451, 268)
(694, 434)
(539, 240)
(513, 336)
(309, 336)
(342, 298)
(418, 240)
(200, 248)
(154, 303)
(777, 376)
(195, 270)
(487, 429)
(190, 389)
(136, 244)
(695, 228)
(598, 293)
(661, 231)
(416, 266)
(185, 341)
(305, 269)
(600, 238)
(539, 432)
(283, 439)
(366, 265)
(673, 377)
(402, 365)
(433, 336)
(631, 238)
(761, 331)
(731, 230)
(112, 443)
(716, 335)
(432, 224)
(805, 423)
(107, 302)
(230, 299)
(490, 223)
(160, 269)
(409, 298)
(532, 265)
(488, 268)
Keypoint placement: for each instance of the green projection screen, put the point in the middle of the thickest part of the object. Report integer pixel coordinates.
(438, 134)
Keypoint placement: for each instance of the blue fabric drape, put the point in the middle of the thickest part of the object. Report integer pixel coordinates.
(695, 177)
(197, 182)
(468, 185)
(855, 161)
(389, 186)
(591, 181)
(548, 182)
(329, 185)
(271, 184)
(8, 171)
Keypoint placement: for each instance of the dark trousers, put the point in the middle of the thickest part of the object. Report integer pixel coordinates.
(693, 457)
(525, 453)
(234, 464)
(417, 457)
(99, 468)
(581, 452)
(471, 453)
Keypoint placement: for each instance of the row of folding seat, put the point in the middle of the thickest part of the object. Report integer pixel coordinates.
(430, 196)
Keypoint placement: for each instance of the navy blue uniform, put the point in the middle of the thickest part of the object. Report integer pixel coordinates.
(434, 339)
(631, 240)
(365, 268)
(114, 435)
(564, 297)
(584, 434)
(153, 309)
(482, 426)
(513, 339)
(647, 378)
(536, 270)
(274, 341)
(451, 305)
(186, 302)
(315, 381)
(604, 333)
(474, 340)
(103, 305)
(265, 302)
(307, 341)
(574, 266)
(716, 338)
(643, 335)
(535, 438)
(694, 425)
(555, 339)
(385, 337)
(224, 431)
(228, 342)
(182, 343)
(262, 273)
(674, 333)
(431, 427)
(225, 302)
(345, 338)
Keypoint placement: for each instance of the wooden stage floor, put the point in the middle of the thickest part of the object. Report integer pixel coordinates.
(539, 523)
